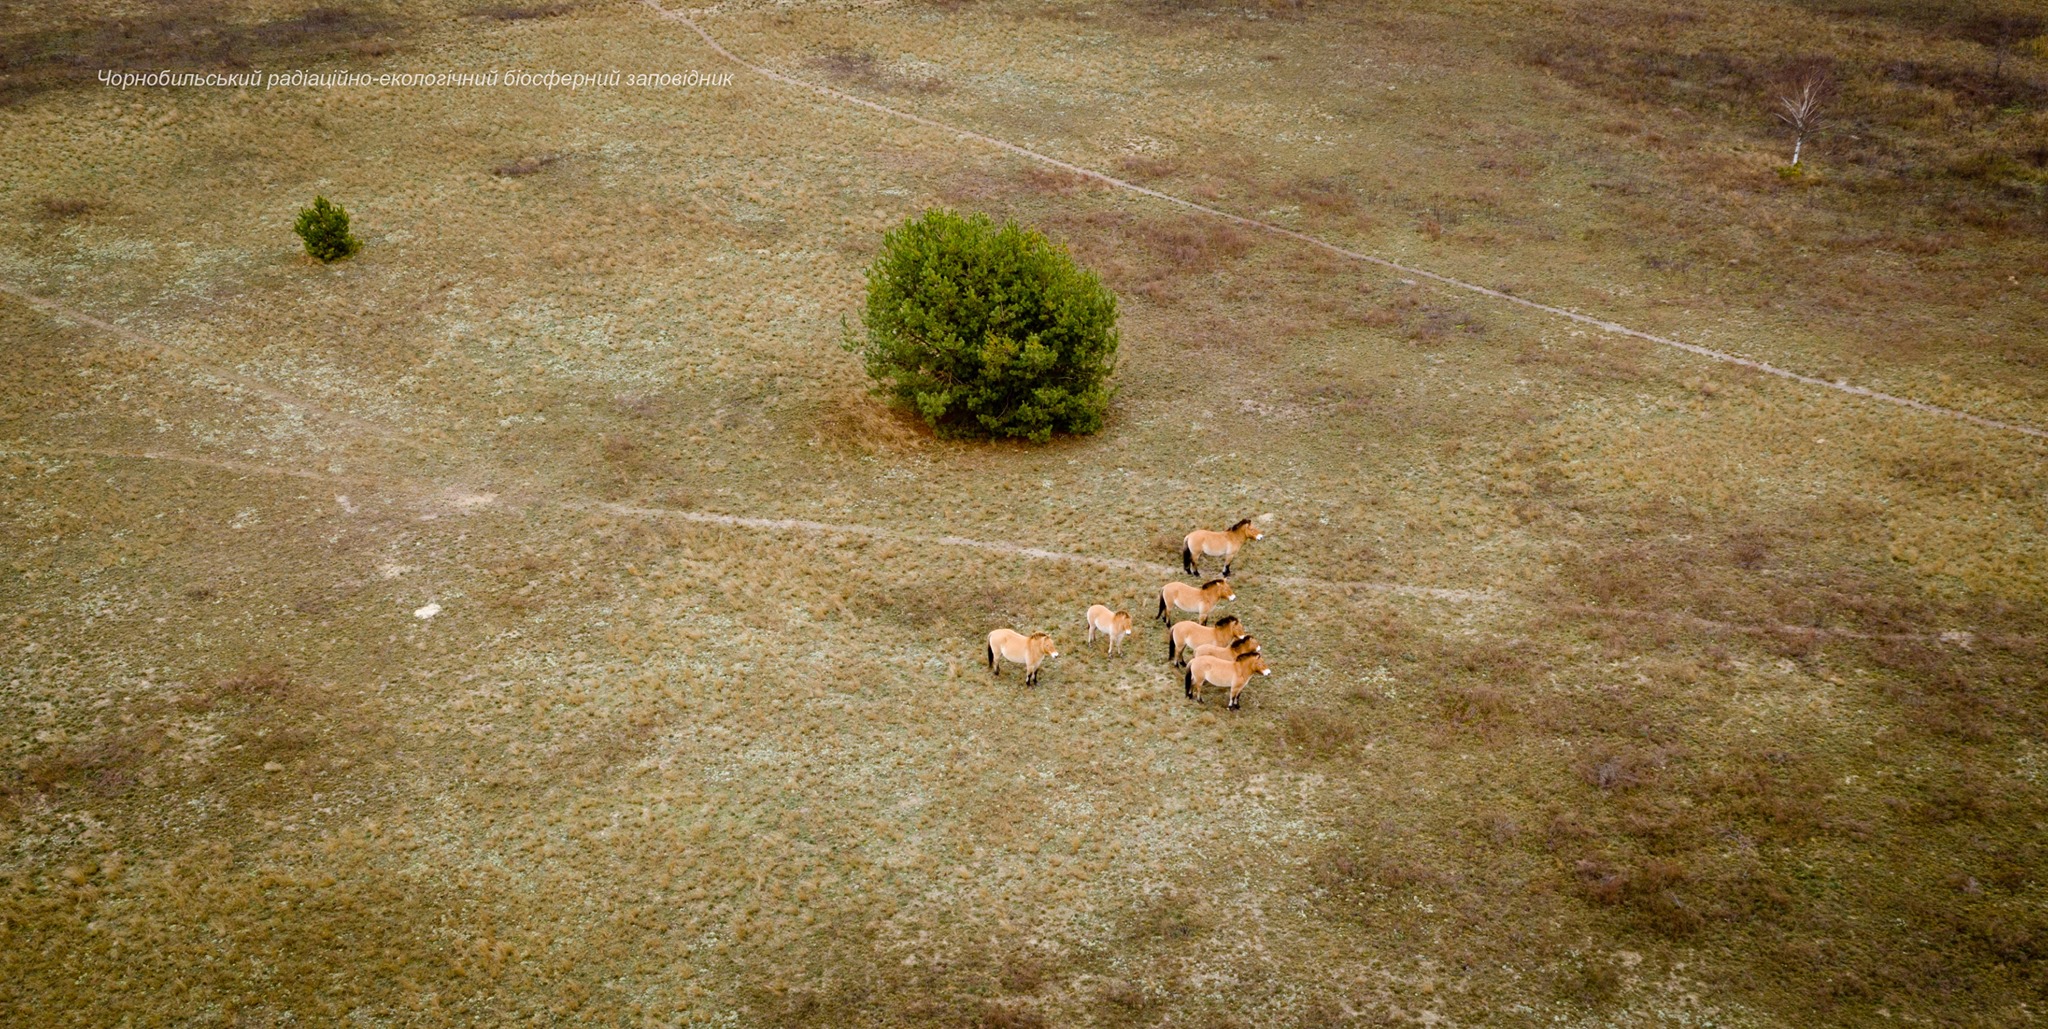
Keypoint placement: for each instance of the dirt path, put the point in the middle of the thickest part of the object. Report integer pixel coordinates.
(1158, 571)
(1281, 230)
(1957, 637)
(1152, 570)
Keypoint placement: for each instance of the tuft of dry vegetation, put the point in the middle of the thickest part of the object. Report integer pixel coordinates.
(63, 207)
(1319, 733)
(863, 69)
(519, 168)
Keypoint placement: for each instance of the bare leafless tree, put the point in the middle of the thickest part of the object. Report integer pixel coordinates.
(2001, 33)
(1801, 94)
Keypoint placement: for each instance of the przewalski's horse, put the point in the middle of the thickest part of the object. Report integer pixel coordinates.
(1195, 600)
(1192, 633)
(1017, 648)
(1233, 650)
(1114, 624)
(1222, 671)
(1203, 543)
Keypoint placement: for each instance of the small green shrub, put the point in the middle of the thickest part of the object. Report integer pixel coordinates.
(324, 227)
(987, 330)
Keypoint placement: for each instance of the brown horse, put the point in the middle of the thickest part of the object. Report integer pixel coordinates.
(1233, 650)
(1222, 671)
(1195, 600)
(1017, 648)
(1114, 624)
(1203, 543)
(1192, 633)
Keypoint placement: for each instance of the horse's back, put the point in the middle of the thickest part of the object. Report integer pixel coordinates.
(1206, 669)
(1007, 642)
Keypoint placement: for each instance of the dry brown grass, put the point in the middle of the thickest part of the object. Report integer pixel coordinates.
(1143, 166)
(761, 770)
(64, 207)
(188, 34)
(861, 68)
(521, 167)
(1319, 733)
(863, 424)
(527, 12)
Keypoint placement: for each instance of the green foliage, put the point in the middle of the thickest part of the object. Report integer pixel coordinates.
(987, 330)
(324, 227)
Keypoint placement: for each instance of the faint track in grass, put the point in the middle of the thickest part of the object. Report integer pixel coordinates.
(740, 521)
(237, 467)
(1604, 325)
(234, 378)
(1964, 638)
(1961, 638)
(803, 526)
(799, 525)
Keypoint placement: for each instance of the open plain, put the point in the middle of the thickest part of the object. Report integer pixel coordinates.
(533, 619)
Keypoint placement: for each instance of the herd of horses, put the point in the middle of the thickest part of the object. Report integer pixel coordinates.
(1223, 655)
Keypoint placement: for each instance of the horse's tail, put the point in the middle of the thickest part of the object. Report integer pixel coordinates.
(991, 656)
(1187, 557)
(1172, 649)
(1162, 606)
(1187, 678)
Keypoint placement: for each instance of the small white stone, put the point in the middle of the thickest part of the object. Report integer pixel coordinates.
(428, 611)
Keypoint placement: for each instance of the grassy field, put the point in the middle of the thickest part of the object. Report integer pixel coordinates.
(1613, 686)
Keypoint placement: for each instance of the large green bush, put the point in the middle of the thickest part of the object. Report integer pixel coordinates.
(987, 330)
(324, 227)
